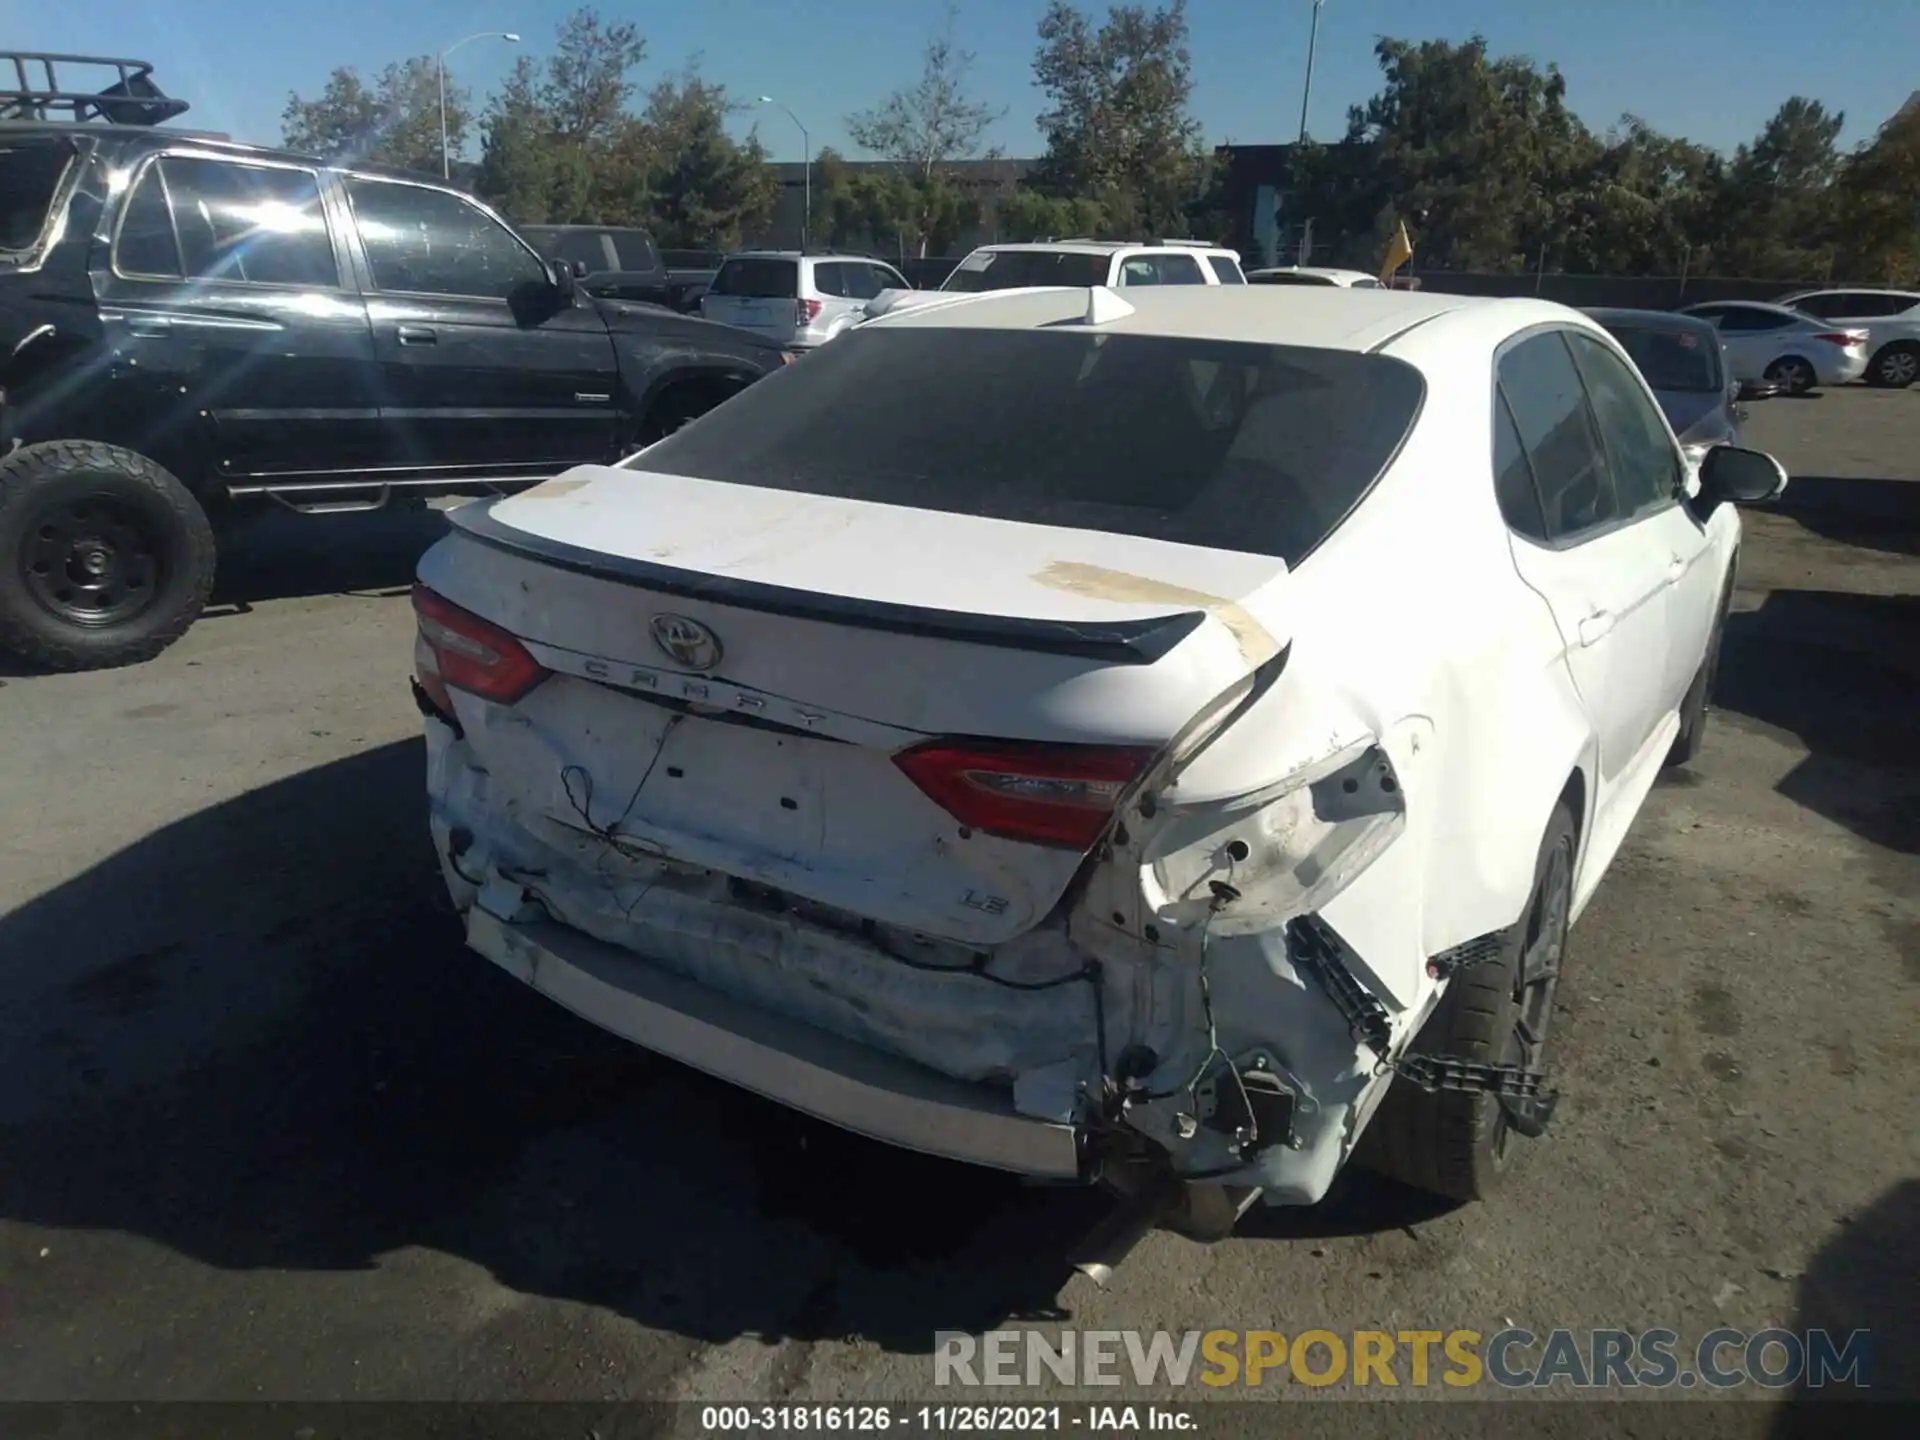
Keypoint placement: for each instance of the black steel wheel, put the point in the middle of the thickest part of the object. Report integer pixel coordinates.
(105, 558)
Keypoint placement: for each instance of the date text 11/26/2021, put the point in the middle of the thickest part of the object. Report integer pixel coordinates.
(943, 1419)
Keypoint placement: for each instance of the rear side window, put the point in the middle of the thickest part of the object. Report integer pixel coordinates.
(250, 223)
(1513, 477)
(1226, 270)
(830, 280)
(1015, 269)
(1259, 448)
(1745, 318)
(758, 279)
(634, 250)
(30, 176)
(1549, 405)
(147, 244)
(591, 248)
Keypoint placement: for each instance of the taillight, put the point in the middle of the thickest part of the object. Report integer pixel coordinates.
(458, 649)
(805, 312)
(1845, 339)
(1045, 794)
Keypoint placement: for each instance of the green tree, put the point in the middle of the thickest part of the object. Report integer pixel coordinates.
(1028, 214)
(395, 120)
(1117, 124)
(1774, 216)
(1877, 205)
(704, 189)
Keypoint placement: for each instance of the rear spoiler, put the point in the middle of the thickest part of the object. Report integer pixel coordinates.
(1115, 642)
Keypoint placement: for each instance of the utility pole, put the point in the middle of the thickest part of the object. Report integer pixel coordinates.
(806, 145)
(1306, 95)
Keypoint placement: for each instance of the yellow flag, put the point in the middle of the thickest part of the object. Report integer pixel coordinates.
(1399, 251)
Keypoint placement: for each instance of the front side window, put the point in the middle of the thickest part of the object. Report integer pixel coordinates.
(590, 249)
(1640, 454)
(1549, 405)
(1256, 448)
(422, 241)
(634, 250)
(248, 223)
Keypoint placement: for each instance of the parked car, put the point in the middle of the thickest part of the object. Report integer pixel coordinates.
(1039, 774)
(1314, 275)
(1891, 319)
(189, 326)
(614, 264)
(802, 299)
(1077, 263)
(1680, 357)
(1783, 347)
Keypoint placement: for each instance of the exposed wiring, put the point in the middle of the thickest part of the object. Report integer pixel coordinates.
(583, 804)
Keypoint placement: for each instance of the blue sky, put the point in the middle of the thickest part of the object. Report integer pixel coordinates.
(1710, 69)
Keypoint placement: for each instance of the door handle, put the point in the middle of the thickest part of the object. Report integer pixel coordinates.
(1596, 627)
(417, 335)
(148, 324)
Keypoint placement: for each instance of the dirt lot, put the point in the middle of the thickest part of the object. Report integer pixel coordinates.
(267, 1131)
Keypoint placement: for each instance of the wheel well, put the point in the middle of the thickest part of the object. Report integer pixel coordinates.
(703, 390)
(1574, 792)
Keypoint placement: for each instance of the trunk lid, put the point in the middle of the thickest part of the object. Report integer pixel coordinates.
(739, 670)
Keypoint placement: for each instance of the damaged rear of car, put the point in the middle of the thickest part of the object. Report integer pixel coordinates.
(949, 777)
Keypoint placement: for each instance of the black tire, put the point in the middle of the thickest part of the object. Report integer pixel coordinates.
(1793, 375)
(676, 406)
(1699, 699)
(1895, 366)
(105, 558)
(1455, 1144)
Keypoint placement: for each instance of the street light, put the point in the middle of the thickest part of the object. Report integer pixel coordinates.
(1313, 38)
(806, 146)
(446, 161)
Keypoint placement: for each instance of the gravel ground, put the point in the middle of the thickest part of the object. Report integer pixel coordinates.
(266, 1131)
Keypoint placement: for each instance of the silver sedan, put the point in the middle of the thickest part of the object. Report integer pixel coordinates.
(1794, 351)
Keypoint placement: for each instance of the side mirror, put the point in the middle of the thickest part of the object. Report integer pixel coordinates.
(1734, 476)
(562, 276)
(579, 269)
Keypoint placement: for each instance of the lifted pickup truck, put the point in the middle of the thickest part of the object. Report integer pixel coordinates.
(189, 325)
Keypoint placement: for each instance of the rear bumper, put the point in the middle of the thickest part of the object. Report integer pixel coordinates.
(807, 1069)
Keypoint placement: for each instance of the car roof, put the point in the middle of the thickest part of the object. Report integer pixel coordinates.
(1769, 306)
(1103, 247)
(1333, 318)
(1328, 272)
(1848, 290)
(161, 137)
(1647, 319)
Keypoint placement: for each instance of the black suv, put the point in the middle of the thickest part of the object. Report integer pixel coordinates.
(189, 325)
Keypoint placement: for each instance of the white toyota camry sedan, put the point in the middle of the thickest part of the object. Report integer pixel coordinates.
(1164, 741)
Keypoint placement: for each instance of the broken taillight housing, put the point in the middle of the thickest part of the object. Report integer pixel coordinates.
(459, 650)
(1060, 795)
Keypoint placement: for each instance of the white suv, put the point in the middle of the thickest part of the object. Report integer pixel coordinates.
(800, 299)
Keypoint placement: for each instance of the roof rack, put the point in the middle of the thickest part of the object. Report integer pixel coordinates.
(133, 99)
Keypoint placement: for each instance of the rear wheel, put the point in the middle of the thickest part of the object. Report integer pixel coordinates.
(676, 406)
(1457, 1144)
(1792, 374)
(105, 558)
(1895, 367)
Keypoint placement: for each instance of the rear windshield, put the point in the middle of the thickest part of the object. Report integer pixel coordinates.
(1672, 359)
(1285, 279)
(30, 174)
(1015, 269)
(759, 279)
(1261, 448)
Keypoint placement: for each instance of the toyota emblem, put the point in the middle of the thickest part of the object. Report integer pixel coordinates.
(687, 643)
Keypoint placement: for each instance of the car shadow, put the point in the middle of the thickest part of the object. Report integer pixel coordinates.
(1838, 671)
(1864, 1278)
(256, 1037)
(1873, 514)
(280, 555)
